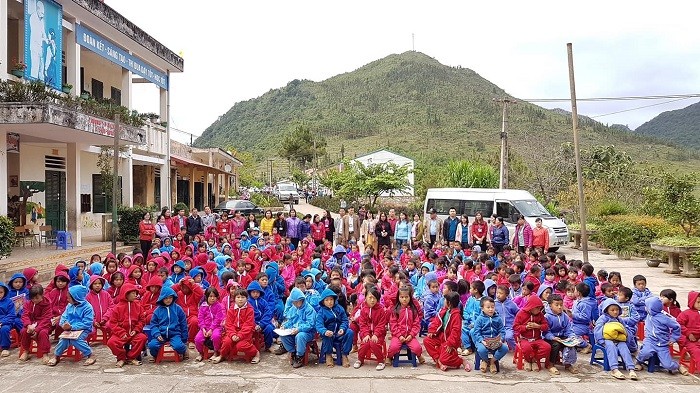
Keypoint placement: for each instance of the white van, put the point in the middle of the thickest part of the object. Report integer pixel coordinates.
(508, 204)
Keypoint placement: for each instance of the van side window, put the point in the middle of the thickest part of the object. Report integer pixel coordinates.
(442, 206)
(471, 207)
(505, 210)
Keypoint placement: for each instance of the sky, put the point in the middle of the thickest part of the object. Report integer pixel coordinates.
(239, 50)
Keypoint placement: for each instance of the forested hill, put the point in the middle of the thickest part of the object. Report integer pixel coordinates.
(681, 126)
(414, 105)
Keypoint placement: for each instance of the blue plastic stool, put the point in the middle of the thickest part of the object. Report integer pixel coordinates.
(410, 357)
(423, 329)
(337, 351)
(477, 362)
(652, 363)
(602, 361)
(63, 238)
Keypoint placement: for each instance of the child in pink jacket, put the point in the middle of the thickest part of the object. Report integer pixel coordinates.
(211, 316)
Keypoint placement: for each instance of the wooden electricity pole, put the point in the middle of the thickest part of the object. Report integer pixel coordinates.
(503, 170)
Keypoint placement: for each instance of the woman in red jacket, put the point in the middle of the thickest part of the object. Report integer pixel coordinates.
(146, 232)
(445, 336)
(479, 231)
(318, 231)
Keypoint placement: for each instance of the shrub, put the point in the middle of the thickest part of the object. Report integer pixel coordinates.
(7, 236)
(609, 208)
(129, 219)
(180, 206)
(633, 234)
(263, 200)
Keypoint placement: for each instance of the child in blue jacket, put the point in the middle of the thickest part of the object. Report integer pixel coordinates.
(488, 328)
(262, 311)
(610, 332)
(584, 313)
(333, 325)
(629, 316)
(640, 293)
(431, 302)
(469, 314)
(660, 330)
(506, 309)
(300, 317)
(8, 319)
(560, 329)
(169, 323)
(78, 315)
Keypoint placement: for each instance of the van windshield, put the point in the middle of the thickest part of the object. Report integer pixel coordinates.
(531, 208)
(286, 187)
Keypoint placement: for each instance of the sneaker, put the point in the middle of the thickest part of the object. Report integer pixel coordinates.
(638, 367)
(483, 367)
(571, 368)
(5, 353)
(298, 362)
(216, 359)
(633, 375)
(527, 366)
(357, 364)
(346, 361)
(25, 356)
(617, 374)
(198, 358)
(683, 370)
(329, 361)
(553, 370)
(281, 350)
(380, 366)
(256, 358)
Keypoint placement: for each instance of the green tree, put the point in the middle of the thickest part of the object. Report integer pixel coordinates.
(357, 181)
(298, 146)
(300, 178)
(675, 201)
(469, 174)
(246, 174)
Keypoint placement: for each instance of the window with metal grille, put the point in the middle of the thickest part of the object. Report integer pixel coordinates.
(55, 162)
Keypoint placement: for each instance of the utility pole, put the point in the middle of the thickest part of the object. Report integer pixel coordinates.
(577, 154)
(313, 180)
(115, 185)
(413, 41)
(270, 169)
(503, 170)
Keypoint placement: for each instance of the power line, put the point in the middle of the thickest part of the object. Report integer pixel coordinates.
(640, 107)
(622, 98)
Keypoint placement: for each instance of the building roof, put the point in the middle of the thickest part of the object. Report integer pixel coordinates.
(380, 151)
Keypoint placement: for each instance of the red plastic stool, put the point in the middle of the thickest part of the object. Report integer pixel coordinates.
(519, 358)
(640, 331)
(72, 353)
(259, 340)
(206, 353)
(14, 338)
(311, 347)
(688, 363)
(33, 349)
(674, 352)
(169, 354)
(99, 336)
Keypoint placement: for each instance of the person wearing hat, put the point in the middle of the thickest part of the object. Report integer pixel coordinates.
(432, 228)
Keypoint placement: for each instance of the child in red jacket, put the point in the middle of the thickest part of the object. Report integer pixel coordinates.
(58, 297)
(445, 336)
(36, 319)
(101, 303)
(149, 301)
(404, 324)
(239, 326)
(127, 322)
(189, 295)
(690, 330)
(372, 336)
(529, 327)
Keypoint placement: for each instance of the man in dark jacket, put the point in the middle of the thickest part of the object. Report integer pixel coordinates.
(194, 225)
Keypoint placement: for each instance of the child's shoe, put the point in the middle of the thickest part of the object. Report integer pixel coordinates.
(216, 359)
(90, 360)
(281, 350)
(5, 353)
(297, 362)
(483, 367)
(380, 366)
(527, 366)
(421, 359)
(329, 360)
(633, 375)
(354, 349)
(198, 358)
(571, 368)
(25, 356)
(120, 363)
(346, 361)
(357, 364)
(52, 361)
(492, 368)
(683, 370)
(617, 374)
(190, 345)
(638, 367)
(553, 370)
(256, 358)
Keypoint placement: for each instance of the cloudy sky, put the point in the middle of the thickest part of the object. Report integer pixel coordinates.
(238, 50)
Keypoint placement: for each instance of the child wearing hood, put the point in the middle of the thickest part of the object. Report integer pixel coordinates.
(332, 325)
(30, 274)
(262, 312)
(168, 324)
(444, 336)
(529, 326)
(36, 319)
(8, 319)
(116, 281)
(150, 297)
(301, 319)
(189, 295)
(100, 301)
(339, 258)
(58, 297)
(126, 323)
(584, 313)
(211, 318)
(431, 301)
(78, 316)
(560, 329)
(78, 277)
(689, 320)
(239, 326)
(178, 271)
(420, 281)
(200, 277)
(489, 335)
(18, 286)
(660, 331)
(610, 332)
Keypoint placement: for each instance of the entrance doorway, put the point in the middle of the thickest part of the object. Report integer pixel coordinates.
(56, 200)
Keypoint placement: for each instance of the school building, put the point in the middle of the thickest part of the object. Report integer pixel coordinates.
(50, 145)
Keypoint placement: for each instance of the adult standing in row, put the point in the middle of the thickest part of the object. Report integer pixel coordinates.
(383, 232)
(329, 223)
(540, 235)
(238, 225)
(402, 232)
(432, 229)
(523, 235)
(208, 219)
(499, 235)
(462, 235)
(146, 232)
(449, 226)
(351, 226)
(193, 223)
(393, 219)
(318, 230)
(162, 228)
(225, 227)
(367, 230)
(281, 224)
(340, 226)
(267, 223)
(416, 231)
(479, 231)
(293, 228)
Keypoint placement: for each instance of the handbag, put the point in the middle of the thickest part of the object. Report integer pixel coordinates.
(493, 343)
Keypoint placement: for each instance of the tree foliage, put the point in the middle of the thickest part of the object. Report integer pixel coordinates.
(675, 201)
(298, 146)
(300, 178)
(469, 174)
(357, 181)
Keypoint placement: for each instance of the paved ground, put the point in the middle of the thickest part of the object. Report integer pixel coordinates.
(274, 374)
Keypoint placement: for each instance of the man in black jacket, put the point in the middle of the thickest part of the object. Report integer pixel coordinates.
(194, 225)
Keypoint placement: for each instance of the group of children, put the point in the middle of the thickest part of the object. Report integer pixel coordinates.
(235, 303)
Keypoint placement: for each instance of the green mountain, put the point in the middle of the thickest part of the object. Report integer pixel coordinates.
(681, 126)
(415, 106)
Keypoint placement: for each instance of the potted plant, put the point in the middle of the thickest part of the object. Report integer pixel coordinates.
(19, 69)
(67, 88)
(85, 94)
